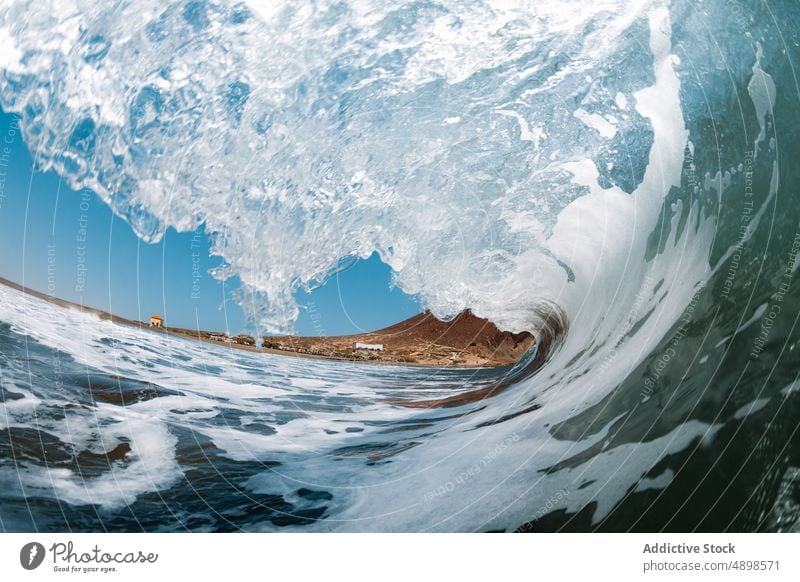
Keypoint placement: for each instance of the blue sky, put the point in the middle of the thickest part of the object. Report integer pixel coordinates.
(69, 244)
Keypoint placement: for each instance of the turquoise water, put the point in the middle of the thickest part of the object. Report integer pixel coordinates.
(628, 167)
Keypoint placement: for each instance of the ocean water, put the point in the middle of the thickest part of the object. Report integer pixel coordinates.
(615, 177)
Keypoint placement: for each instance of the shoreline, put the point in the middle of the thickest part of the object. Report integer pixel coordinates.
(197, 335)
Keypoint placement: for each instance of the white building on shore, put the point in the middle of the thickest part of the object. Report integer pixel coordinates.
(362, 347)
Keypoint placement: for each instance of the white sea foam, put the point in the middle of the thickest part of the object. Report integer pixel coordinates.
(762, 91)
(553, 232)
(302, 135)
(477, 147)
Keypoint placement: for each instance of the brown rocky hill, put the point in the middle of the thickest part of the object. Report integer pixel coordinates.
(466, 340)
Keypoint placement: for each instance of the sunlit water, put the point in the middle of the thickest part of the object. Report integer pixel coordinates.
(624, 164)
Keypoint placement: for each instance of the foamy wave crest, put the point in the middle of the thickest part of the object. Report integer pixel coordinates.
(481, 148)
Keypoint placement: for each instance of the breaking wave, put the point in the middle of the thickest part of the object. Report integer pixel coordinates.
(603, 174)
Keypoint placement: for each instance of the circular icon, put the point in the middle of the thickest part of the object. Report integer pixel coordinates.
(31, 555)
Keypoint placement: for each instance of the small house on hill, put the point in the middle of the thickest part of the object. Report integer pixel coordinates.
(156, 321)
(362, 347)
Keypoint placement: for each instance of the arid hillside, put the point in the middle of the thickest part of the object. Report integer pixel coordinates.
(467, 340)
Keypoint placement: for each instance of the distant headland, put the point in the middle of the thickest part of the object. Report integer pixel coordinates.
(422, 340)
